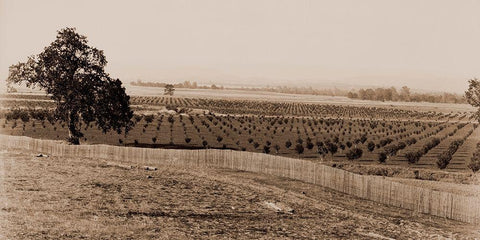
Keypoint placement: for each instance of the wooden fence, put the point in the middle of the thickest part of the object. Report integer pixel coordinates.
(375, 188)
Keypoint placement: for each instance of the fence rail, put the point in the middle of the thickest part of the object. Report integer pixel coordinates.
(375, 188)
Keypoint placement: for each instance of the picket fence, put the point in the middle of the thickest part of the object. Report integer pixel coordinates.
(374, 188)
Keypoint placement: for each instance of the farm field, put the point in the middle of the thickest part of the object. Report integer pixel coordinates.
(66, 198)
(239, 120)
(294, 98)
(321, 132)
(262, 107)
(244, 95)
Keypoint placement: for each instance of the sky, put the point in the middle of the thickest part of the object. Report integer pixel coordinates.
(433, 45)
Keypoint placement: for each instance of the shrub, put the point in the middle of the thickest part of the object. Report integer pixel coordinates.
(183, 110)
(363, 138)
(474, 164)
(288, 144)
(187, 140)
(171, 107)
(277, 148)
(321, 148)
(382, 157)
(40, 114)
(51, 118)
(137, 118)
(309, 145)
(444, 158)
(14, 114)
(371, 146)
(266, 149)
(354, 153)
(386, 141)
(24, 116)
(299, 148)
(331, 147)
(149, 118)
(390, 150)
(431, 144)
(413, 157)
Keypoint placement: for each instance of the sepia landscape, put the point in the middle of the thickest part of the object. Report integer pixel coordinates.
(222, 139)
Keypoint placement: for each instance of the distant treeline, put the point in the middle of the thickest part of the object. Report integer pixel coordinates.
(404, 95)
(298, 90)
(186, 84)
(280, 89)
(375, 94)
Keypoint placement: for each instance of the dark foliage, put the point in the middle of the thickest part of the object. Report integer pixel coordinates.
(72, 73)
(354, 153)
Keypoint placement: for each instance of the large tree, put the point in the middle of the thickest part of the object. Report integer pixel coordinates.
(169, 89)
(72, 74)
(473, 96)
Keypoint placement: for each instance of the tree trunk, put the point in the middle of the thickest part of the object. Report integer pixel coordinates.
(72, 138)
(73, 133)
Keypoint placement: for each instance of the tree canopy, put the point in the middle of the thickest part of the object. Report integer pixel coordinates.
(473, 96)
(72, 73)
(169, 89)
(404, 95)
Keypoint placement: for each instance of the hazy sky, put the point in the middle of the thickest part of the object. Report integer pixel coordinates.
(427, 44)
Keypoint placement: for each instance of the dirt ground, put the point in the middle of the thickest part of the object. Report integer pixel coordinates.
(81, 198)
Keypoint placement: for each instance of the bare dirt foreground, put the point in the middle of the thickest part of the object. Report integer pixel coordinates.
(73, 198)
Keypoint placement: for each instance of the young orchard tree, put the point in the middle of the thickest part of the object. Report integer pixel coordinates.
(277, 148)
(266, 149)
(371, 146)
(332, 148)
(299, 148)
(72, 73)
(288, 144)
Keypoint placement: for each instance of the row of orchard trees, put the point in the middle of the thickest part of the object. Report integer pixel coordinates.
(325, 136)
(224, 127)
(291, 108)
